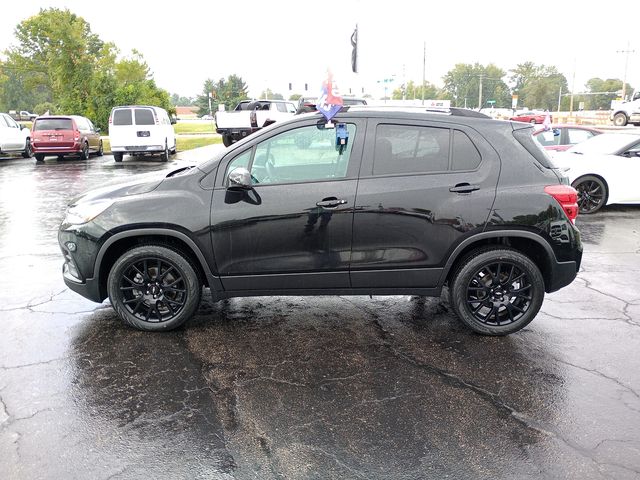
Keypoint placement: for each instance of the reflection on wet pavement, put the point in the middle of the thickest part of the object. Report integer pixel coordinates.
(323, 387)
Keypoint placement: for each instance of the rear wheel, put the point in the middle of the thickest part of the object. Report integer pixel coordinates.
(496, 291)
(60, 157)
(532, 121)
(117, 157)
(100, 150)
(592, 193)
(28, 152)
(39, 157)
(84, 153)
(154, 288)
(226, 139)
(165, 155)
(620, 119)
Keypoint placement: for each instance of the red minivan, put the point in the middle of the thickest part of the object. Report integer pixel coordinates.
(62, 135)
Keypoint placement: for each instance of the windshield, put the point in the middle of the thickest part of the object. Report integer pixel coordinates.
(53, 124)
(607, 143)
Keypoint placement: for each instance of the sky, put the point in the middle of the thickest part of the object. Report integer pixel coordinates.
(273, 43)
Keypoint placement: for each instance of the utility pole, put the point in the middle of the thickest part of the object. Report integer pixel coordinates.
(626, 62)
(573, 85)
(480, 93)
(559, 98)
(424, 68)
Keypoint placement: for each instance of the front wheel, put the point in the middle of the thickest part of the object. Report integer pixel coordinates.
(154, 288)
(532, 121)
(619, 119)
(164, 156)
(100, 151)
(28, 152)
(118, 157)
(496, 291)
(592, 193)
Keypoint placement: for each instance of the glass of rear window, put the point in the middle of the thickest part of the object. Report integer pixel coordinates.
(122, 117)
(144, 116)
(53, 124)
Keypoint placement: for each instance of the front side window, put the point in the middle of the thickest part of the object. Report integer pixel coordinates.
(305, 154)
(403, 149)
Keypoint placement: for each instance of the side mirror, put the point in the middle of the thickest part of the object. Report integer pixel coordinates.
(97, 130)
(174, 120)
(239, 178)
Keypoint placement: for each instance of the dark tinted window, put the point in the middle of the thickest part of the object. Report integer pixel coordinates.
(122, 117)
(53, 124)
(410, 149)
(465, 154)
(144, 116)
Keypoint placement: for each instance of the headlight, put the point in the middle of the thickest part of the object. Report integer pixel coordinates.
(85, 212)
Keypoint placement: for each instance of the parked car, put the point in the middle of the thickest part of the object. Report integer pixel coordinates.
(530, 117)
(561, 137)
(249, 116)
(387, 203)
(604, 170)
(22, 116)
(14, 138)
(627, 112)
(141, 130)
(63, 135)
(206, 117)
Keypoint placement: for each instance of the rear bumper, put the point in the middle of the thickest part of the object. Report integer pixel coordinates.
(48, 148)
(137, 148)
(563, 273)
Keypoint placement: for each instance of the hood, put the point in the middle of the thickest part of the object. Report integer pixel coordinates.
(138, 185)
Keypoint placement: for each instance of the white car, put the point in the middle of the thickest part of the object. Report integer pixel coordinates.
(139, 130)
(603, 169)
(14, 138)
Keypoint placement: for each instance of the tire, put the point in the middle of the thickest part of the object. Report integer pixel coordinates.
(133, 281)
(620, 119)
(226, 140)
(118, 157)
(532, 121)
(164, 156)
(496, 291)
(100, 151)
(174, 150)
(592, 193)
(60, 157)
(28, 152)
(39, 157)
(84, 153)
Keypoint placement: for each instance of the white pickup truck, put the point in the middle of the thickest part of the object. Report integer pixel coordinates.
(626, 112)
(250, 116)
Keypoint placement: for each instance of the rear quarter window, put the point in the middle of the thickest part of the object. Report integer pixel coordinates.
(53, 124)
(122, 117)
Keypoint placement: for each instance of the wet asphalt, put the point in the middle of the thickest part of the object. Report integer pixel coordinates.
(309, 387)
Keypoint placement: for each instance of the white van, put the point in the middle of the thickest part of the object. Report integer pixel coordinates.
(141, 129)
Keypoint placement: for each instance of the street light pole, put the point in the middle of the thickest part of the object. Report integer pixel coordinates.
(626, 62)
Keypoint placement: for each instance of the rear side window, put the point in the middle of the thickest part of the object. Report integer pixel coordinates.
(144, 116)
(53, 124)
(465, 154)
(525, 138)
(410, 149)
(122, 117)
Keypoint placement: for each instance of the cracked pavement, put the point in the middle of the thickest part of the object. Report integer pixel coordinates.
(306, 388)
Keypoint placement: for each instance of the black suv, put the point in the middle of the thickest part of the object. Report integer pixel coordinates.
(378, 202)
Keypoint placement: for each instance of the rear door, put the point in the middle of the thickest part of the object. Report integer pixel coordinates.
(423, 187)
(122, 131)
(293, 229)
(11, 137)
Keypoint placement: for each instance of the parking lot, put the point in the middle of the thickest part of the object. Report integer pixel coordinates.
(308, 387)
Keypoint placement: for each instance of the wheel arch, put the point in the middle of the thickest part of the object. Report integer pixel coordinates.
(527, 243)
(116, 245)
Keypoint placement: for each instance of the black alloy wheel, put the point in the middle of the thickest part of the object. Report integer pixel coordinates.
(496, 291)
(28, 152)
(592, 193)
(154, 288)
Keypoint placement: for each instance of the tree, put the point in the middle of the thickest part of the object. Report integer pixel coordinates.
(180, 101)
(227, 92)
(462, 85)
(413, 91)
(295, 97)
(269, 95)
(538, 86)
(603, 101)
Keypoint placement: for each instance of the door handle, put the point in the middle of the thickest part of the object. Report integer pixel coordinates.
(464, 188)
(331, 202)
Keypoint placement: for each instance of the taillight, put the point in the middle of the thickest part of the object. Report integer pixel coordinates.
(110, 120)
(567, 197)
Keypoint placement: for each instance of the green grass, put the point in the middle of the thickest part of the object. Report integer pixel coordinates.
(183, 143)
(194, 127)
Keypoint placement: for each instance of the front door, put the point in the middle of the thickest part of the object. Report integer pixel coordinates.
(293, 229)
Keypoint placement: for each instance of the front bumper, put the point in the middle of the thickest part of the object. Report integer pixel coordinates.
(79, 253)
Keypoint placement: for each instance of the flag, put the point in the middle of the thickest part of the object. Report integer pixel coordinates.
(329, 103)
(547, 121)
(354, 52)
